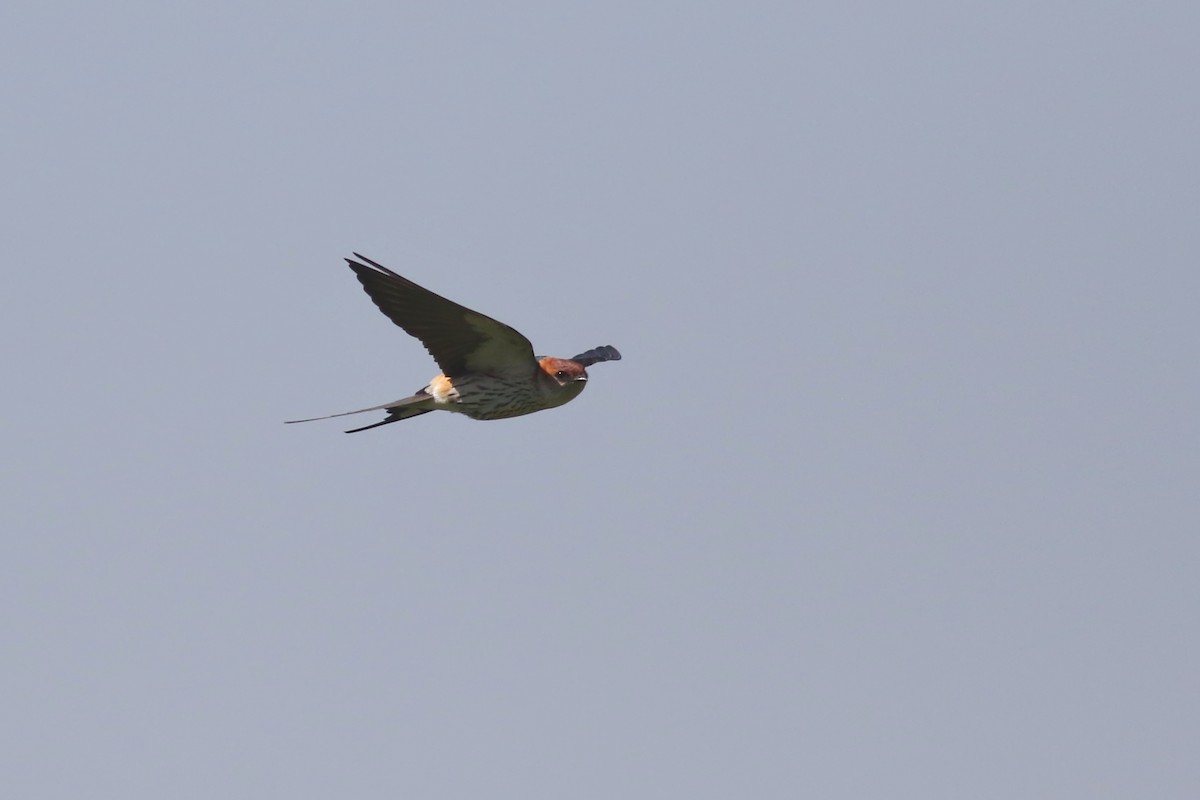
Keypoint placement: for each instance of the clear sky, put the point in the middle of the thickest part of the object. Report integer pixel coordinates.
(894, 494)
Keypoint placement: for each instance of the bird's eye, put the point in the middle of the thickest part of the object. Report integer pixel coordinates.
(560, 374)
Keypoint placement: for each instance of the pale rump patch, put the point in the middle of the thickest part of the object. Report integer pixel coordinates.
(443, 391)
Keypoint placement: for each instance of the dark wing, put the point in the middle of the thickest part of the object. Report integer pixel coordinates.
(595, 356)
(459, 339)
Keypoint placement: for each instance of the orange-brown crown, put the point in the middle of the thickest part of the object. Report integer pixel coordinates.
(562, 370)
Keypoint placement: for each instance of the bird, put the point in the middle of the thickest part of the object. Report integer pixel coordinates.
(489, 370)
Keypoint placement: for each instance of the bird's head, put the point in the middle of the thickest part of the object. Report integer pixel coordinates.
(563, 379)
(564, 371)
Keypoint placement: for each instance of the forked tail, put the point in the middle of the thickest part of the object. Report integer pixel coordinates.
(397, 410)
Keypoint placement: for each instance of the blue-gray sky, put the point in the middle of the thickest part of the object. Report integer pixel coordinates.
(893, 495)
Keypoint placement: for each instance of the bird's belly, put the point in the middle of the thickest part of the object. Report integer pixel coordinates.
(485, 396)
